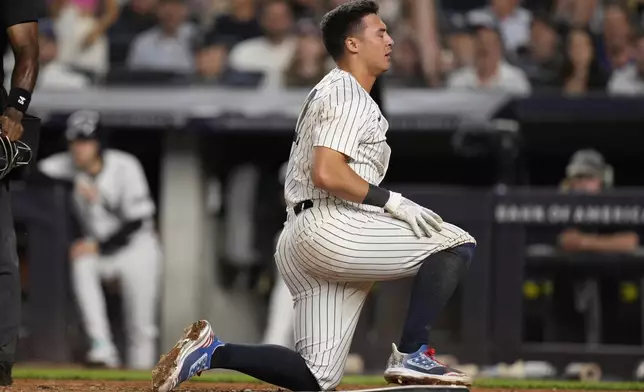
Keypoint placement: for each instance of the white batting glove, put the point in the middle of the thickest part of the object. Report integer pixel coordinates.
(416, 215)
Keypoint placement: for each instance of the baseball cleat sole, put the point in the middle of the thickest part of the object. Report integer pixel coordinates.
(411, 377)
(165, 375)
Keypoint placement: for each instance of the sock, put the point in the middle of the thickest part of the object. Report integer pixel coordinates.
(270, 363)
(433, 286)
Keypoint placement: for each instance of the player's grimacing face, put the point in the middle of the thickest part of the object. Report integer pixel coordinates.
(375, 43)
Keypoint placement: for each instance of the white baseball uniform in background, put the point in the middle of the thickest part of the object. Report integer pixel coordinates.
(330, 254)
(279, 323)
(123, 195)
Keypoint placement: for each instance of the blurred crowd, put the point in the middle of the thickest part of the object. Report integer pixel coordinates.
(518, 46)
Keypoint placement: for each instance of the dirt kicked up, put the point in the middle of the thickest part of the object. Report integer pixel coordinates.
(26, 385)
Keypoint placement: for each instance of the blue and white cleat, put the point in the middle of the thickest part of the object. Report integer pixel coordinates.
(422, 368)
(189, 357)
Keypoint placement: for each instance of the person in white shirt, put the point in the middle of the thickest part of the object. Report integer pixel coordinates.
(630, 79)
(119, 242)
(169, 46)
(490, 71)
(55, 74)
(272, 53)
(512, 21)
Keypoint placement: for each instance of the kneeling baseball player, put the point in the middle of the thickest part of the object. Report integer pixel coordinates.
(343, 233)
(116, 212)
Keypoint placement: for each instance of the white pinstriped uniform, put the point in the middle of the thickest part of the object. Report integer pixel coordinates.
(124, 195)
(330, 254)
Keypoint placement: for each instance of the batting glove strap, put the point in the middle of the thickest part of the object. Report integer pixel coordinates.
(394, 201)
(420, 219)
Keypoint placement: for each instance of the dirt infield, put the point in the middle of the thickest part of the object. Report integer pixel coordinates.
(144, 386)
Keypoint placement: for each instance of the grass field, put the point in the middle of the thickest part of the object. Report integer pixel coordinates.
(70, 374)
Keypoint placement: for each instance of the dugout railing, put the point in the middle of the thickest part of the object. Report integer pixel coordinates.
(517, 212)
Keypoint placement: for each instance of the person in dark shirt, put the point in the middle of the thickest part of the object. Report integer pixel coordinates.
(581, 72)
(594, 297)
(541, 60)
(588, 172)
(19, 30)
(238, 25)
(135, 17)
(582, 304)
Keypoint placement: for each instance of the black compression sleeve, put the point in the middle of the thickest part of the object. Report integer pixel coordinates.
(270, 363)
(376, 196)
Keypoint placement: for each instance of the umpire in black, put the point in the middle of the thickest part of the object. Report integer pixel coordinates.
(19, 30)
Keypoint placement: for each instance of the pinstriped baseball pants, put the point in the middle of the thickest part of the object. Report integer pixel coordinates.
(330, 256)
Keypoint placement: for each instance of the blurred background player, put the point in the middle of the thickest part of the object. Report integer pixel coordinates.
(118, 241)
(279, 323)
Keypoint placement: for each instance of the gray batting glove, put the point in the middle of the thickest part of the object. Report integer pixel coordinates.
(416, 215)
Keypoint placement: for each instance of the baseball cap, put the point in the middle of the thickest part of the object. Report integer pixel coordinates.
(82, 125)
(586, 163)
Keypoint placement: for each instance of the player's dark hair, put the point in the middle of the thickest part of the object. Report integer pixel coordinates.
(342, 21)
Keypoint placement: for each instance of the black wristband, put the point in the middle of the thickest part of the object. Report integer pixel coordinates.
(376, 196)
(19, 99)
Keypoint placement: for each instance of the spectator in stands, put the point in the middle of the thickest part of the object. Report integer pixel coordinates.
(211, 63)
(509, 18)
(237, 25)
(310, 61)
(136, 17)
(588, 172)
(616, 49)
(424, 23)
(581, 72)
(406, 68)
(308, 9)
(490, 70)
(542, 59)
(81, 27)
(584, 14)
(167, 47)
(630, 80)
(53, 74)
(204, 12)
(393, 13)
(272, 53)
(459, 42)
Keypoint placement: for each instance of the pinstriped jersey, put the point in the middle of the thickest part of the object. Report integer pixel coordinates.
(122, 190)
(339, 114)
